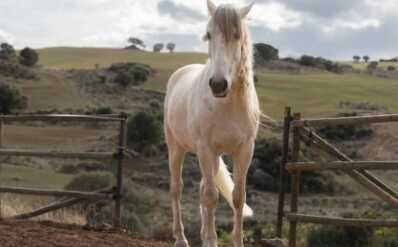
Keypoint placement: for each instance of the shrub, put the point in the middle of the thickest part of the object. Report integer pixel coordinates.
(308, 61)
(144, 130)
(137, 203)
(16, 71)
(385, 238)
(332, 236)
(130, 73)
(11, 99)
(28, 57)
(345, 132)
(103, 110)
(68, 169)
(267, 158)
(391, 68)
(124, 78)
(91, 181)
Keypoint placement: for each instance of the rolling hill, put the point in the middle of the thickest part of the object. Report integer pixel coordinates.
(312, 93)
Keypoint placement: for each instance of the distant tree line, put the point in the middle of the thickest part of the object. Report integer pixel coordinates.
(138, 44)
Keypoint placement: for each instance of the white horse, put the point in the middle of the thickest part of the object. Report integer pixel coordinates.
(213, 110)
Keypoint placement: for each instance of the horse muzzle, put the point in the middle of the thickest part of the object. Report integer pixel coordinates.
(219, 87)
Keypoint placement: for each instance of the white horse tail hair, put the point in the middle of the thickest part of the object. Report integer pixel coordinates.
(225, 185)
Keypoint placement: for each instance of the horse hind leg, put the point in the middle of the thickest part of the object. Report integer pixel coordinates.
(176, 159)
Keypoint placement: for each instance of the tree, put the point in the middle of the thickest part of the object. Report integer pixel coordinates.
(366, 58)
(171, 46)
(264, 53)
(10, 99)
(7, 52)
(144, 129)
(28, 57)
(158, 47)
(356, 58)
(136, 43)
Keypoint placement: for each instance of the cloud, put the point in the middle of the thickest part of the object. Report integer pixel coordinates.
(6, 37)
(179, 11)
(333, 29)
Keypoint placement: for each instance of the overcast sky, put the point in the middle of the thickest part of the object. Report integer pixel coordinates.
(335, 29)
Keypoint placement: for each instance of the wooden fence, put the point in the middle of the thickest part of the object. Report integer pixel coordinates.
(69, 198)
(299, 131)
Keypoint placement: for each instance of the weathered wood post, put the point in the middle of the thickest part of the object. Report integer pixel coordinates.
(295, 189)
(1, 131)
(282, 171)
(119, 173)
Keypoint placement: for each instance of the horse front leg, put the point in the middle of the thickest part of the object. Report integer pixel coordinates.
(208, 195)
(176, 159)
(242, 160)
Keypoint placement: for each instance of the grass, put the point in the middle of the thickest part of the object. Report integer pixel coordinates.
(314, 94)
(11, 205)
(12, 175)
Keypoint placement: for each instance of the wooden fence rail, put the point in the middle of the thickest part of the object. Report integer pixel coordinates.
(357, 170)
(70, 198)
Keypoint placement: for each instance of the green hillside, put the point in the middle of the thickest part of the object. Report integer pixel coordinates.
(314, 94)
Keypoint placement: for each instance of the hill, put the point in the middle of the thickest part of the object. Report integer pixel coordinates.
(312, 93)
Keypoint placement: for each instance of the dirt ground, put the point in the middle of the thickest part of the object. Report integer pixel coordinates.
(48, 234)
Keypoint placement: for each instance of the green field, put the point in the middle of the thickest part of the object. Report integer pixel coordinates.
(314, 94)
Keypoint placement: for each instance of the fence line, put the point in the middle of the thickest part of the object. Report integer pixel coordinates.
(70, 197)
(357, 170)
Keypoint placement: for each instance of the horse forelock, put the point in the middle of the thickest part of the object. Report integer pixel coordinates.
(228, 20)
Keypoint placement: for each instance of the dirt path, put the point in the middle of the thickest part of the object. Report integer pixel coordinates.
(48, 234)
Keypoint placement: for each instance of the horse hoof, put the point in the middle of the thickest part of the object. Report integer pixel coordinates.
(181, 243)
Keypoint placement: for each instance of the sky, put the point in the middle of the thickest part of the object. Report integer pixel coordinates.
(335, 29)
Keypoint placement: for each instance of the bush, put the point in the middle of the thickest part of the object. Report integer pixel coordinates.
(11, 99)
(130, 73)
(16, 71)
(137, 203)
(144, 130)
(68, 169)
(345, 132)
(124, 79)
(320, 63)
(391, 68)
(308, 61)
(332, 236)
(91, 181)
(103, 110)
(267, 159)
(28, 57)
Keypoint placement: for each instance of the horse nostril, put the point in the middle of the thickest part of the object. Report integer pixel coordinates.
(211, 82)
(225, 84)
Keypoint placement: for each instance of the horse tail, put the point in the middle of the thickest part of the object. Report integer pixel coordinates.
(225, 185)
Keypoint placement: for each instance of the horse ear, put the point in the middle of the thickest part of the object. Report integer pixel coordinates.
(212, 7)
(245, 10)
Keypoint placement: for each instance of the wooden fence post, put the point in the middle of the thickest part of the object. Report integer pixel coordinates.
(119, 173)
(1, 133)
(282, 171)
(295, 189)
